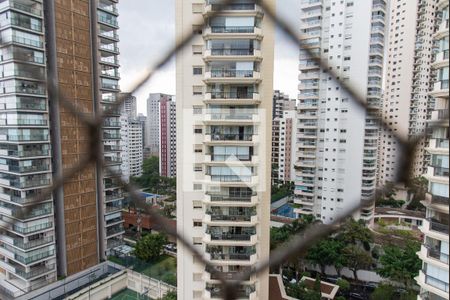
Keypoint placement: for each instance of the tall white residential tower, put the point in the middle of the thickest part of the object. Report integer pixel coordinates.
(224, 113)
(336, 139)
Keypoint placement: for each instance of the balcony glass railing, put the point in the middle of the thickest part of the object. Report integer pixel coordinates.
(232, 29)
(233, 6)
(226, 236)
(231, 136)
(232, 95)
(438, 226)
(437, 283)
(229, 52)
(30, 229)
(232, 73)
(440, 171)
(437, 254)
(36, 271)
(32, 244)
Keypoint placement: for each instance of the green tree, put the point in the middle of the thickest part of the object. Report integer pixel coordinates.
(400, 264)
(168, 211)
(353, 232)
(356, 259)
(150, 246)
(383, 292)
(300, 291)
(343, 284)
(417, 188)
(326, 253)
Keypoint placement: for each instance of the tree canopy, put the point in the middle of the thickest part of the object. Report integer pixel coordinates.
(325, 253)
(400, 264)
(150, 246)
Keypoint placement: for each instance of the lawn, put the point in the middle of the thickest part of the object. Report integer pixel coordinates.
(129, 295)
(164, 268)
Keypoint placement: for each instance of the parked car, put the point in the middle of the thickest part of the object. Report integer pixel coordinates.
(356, 296)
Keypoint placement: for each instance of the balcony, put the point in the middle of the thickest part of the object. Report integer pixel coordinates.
(242, 31)
(235, 54)
(440, 88)
(224, 116)
(32, 244)
(34, 272)
(232, 98)
(230, 137)
(439, 116)
(32, 8)
(232, 76)
(234, 8)
(108, 20)
(440, 59)
(31, 258)
(32, 229)
(114, 231)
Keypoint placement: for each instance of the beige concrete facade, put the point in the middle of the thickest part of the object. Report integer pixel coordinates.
(224, 113)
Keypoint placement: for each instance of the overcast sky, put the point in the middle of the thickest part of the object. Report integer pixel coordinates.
(147, 30)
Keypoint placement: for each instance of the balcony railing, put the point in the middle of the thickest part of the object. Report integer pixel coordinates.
(232, 29)
(437, 226)
(231, 95)
(231, 136)
(439, 199)
(232, 73)
(236, 157)
(440, 171)
(35, 271)
(231, 178)
(30, 229)
(32, 244)
(236, 51)
(231, 256)
(238, 197)
(437, 254)
(227, 217)
(231, 236)
(437, 283)
(236, 6)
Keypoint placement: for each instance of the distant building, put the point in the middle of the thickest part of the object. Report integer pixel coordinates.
(129, 105)
(281, 103)
(143, 121)
(132, 150)
(153, 122)
(283, 147)
(168, 132)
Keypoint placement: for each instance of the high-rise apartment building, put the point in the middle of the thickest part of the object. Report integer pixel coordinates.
(281, 103)
(129, 106)
(72, 230)
(143, 120)
(337, 140)
(132, 150)
(224, 113)
(131, 138)
(168, 138)
(283, 147)
(153, 122)
(434, 253)
(406, 101)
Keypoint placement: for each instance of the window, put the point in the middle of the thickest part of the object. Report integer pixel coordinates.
(197, 90)
(198, 186)
(197, 110)
(198, 224)
(197, 29)
(197, 70)
(197, 8)
(197, 49)
(198, 131)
